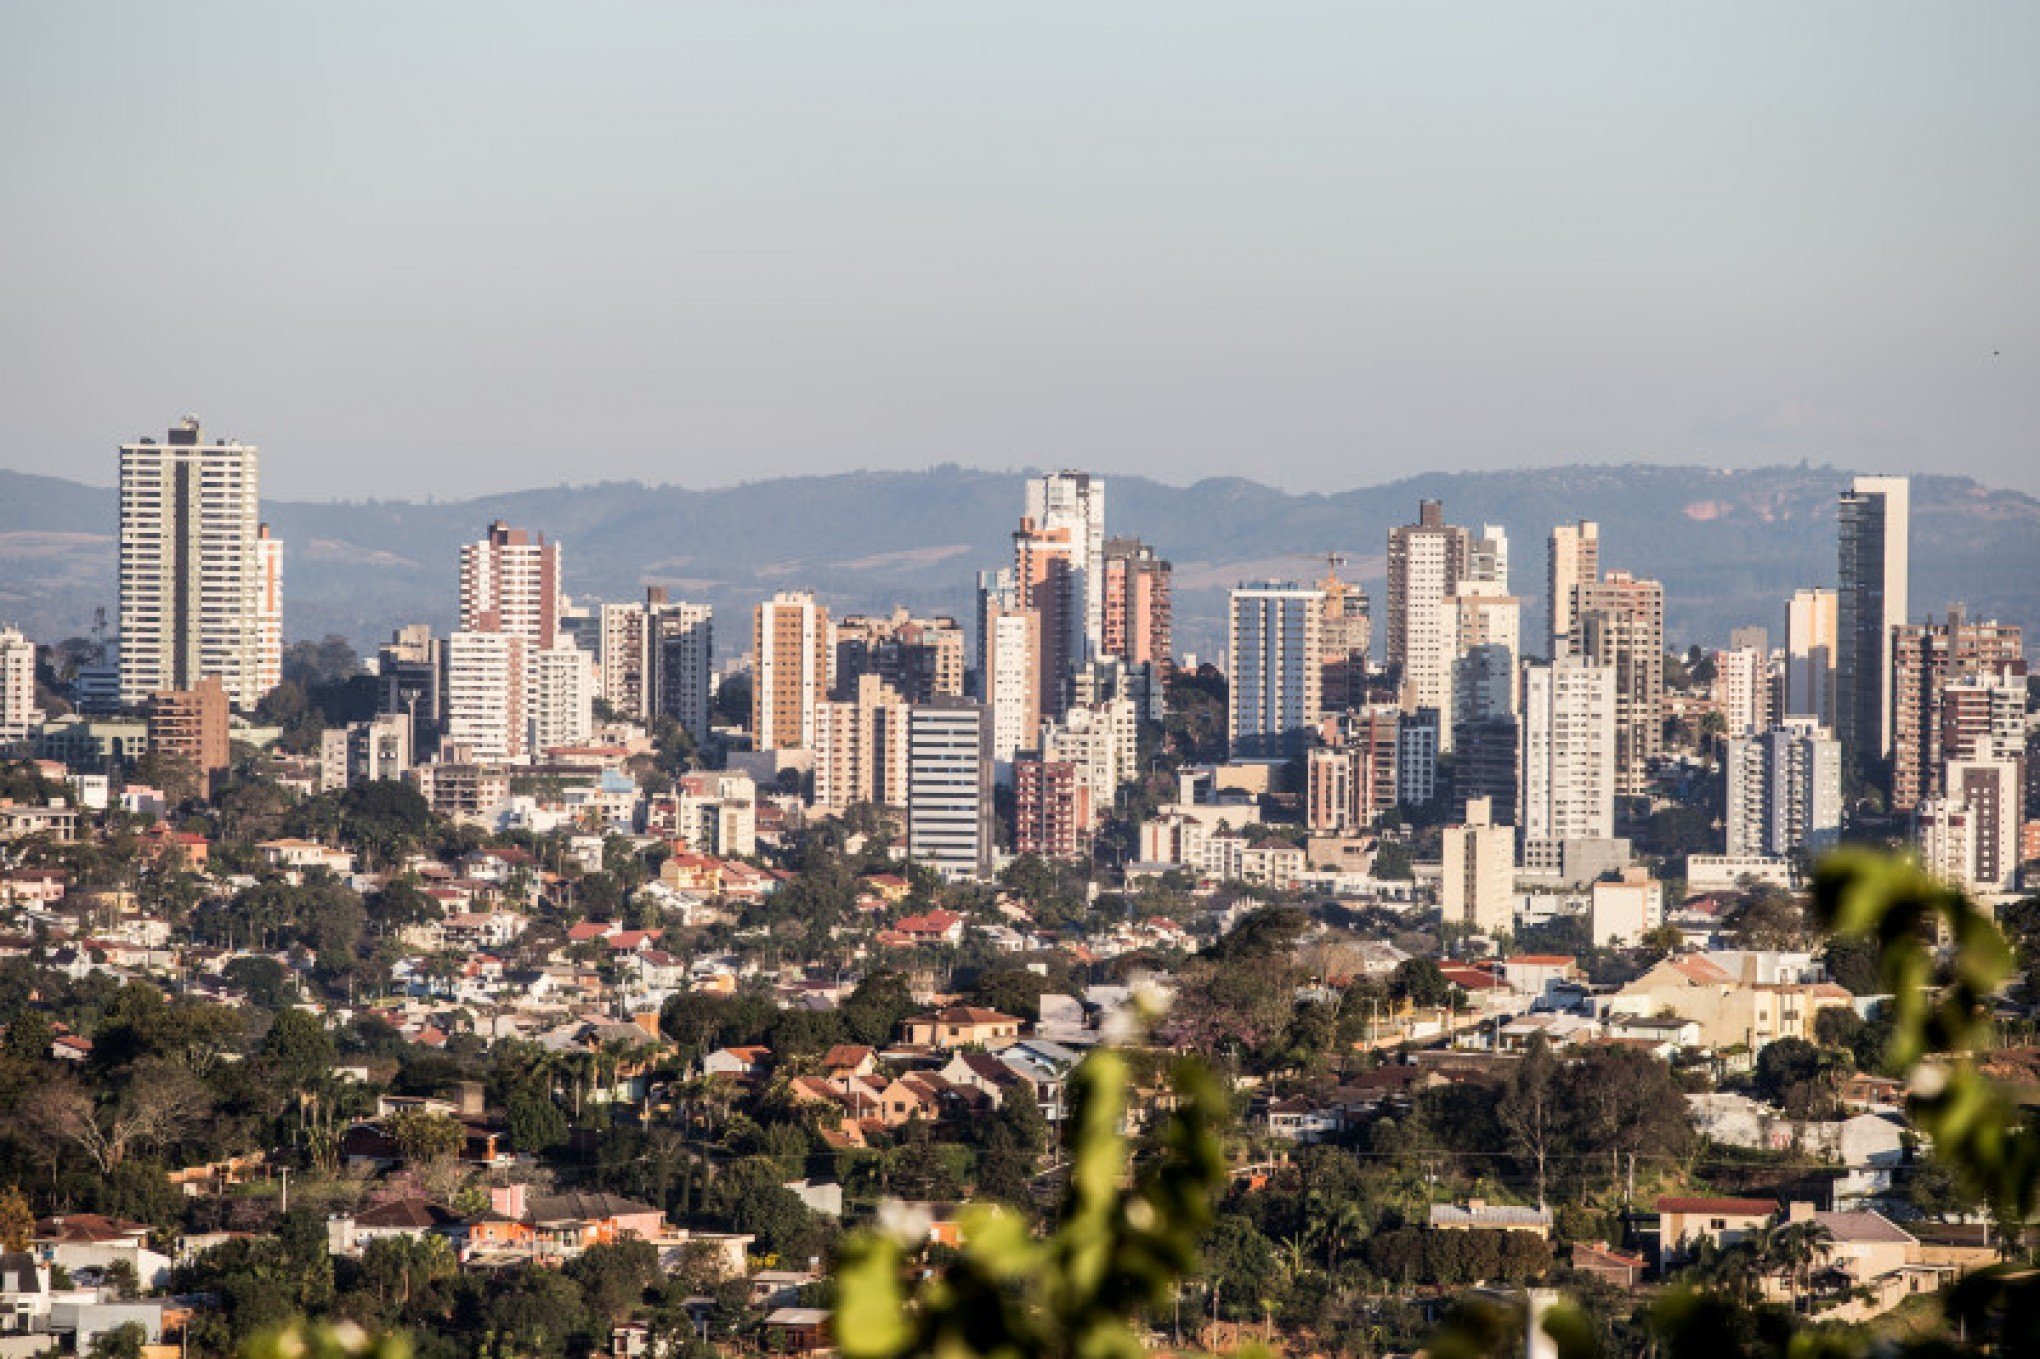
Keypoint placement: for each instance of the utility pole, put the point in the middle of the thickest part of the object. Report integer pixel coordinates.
(285, 1207)
(1629, 1194)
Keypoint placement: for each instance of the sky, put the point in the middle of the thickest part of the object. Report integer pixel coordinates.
(445, 249)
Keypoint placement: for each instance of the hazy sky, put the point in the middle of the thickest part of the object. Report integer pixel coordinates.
(445, 248)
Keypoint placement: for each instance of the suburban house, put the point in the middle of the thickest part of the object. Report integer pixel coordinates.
(1683, 1223)
(962, 1026)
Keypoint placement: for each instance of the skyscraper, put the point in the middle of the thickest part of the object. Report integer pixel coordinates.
(1273, 696)
(192, 568)
(1873, 530)
(1810, 644)
(682, 644)
(510, 582)
(1784, 791)
(949, 787)
(17, 687)
(488, 688)
(1925, 659)
(791, 651)
(1621, 625)
(1568, 782)
(1426, 562)
(1074, 503)
(1575, 561)
(1138, 619)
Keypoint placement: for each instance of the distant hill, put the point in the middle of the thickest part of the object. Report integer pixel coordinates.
(1729, 545)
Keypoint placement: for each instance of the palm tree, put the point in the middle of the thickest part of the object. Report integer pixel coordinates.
(1793, 1250)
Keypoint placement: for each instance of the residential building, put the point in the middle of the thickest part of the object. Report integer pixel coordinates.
(1052, 813)
(562, 711)
(1811, 644)
(682, 659)
(861, 748)
(1345, 632)
(624, 655)
(1102, 741)
(189, 726)
(1569, 778)
(486, 694)
(269, 610)
(412, 668)
(1487, 761)
(1072, 504)
(1009, 671)
(1620, 912)
(1477, 887)
(1350, 783)
(1731, 1011)
(18, 712)
(1273, 669)
(1784, 791)
(920, 658)
(792, 658)
(192, 568)
(1417, 744)
(949, 787)
(1993, 792)
(1873, 535)
(1742, 689)
(1622, 626)
(1575, 561)
(1925, 659)
(510, 583)
(1138, 617)
(1426, 562)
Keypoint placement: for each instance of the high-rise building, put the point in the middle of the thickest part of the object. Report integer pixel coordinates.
(1344, 634)
(1483, 625)
(1568, 780)
(792, 657)
(1352, 781)
(487, 692)
(192, 568)
(861, 748)
(562, 711)
(919, 657)
(1621, 625)
(1009, 680)
(683, 664)
(1925, 659)
(624, 655)
(1486, 762)
(1873, 532)
(949, 788)
(189, 726)
(1051, 808)
(18, 713)
(1993, 791)
(412, 668)
(1478, 878)
(1273, 696)
(1426, 562)
(1102, 741)
(269, 614)
(1418, 741)
(1575, 561)
(1983, 717)
(1046, 582)
(510, 582)
(1810, 645)
(1784, 791)
(1742, 689)
(1138, 618)
(1073, 503)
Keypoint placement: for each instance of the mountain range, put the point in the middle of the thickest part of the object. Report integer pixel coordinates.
(1730, 545)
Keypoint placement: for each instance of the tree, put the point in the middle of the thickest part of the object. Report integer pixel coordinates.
(124, 1341)
(17, 1220)
(614, 1276)
(398, 1268)
(266, 983)
(423, 1137)
(1419, 982)
(156, 1103)
(535, 1123)
(299, 1050)
(1529, 1108)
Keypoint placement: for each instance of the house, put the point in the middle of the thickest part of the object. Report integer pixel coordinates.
(962, 1026)
(849, 1059)
(417, 1218)
(745, 1063)
(1479, 1215)
(797, 1330)
(24, 1294)
(1607, 1264)
(1296, 1119)
(1683, 1223)
(298, 855)
(1730, 1011)
(936, 927)
(89, 1241)
(983, 1072)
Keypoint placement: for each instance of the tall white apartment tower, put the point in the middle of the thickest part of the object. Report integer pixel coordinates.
(269, 640)
(1076, 501)
(1575, 561)
(1810, 644)
(1873, 532)
(510, 582)
(18, 712)
(682, 641)
(191, 567)
(1274, 689)
(1784, 791)
(487, 689)
(1568, 774)
(1426, 562)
